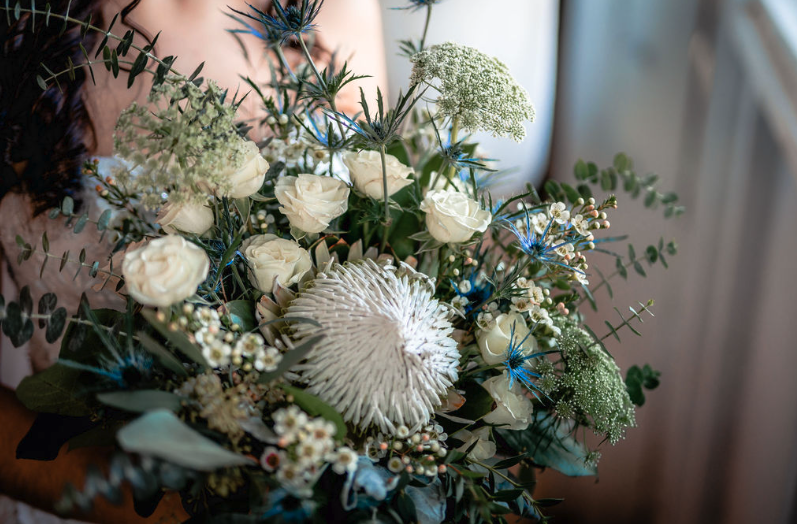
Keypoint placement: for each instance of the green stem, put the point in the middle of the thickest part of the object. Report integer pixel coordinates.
(454, 133)
(91, 27)
(426, 25)
(387, 197)
(322, 82)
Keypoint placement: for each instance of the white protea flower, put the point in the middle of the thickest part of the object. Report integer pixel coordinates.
(387, 357)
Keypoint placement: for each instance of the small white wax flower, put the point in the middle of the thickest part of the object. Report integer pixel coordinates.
(188, 218)
(164, 271)
(345, 460)
(453, 217)
(365, 170)
(580, 224)
(271, 258)
(513, 409)
(311, 202)
(494, 342)
(559, 212)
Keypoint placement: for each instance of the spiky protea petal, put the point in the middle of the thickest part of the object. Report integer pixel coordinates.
(387, 357)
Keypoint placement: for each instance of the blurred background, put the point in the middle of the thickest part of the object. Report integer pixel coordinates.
(704, 93)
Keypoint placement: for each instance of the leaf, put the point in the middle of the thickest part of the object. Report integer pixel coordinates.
(57, 390)
(18, 329)
(549, 443)
(242, 312)
(478, 402)
(48, 434)
(41, 82)
(196, 71)
(178, 339)
(26, 301)
(164, 356)
(142, 400)
(580, 170)
(55, 325)
(81, 223)
(162, 435)
(68, 206)
(47, 304)
(290, 358)
(316, 407)
(429, 502)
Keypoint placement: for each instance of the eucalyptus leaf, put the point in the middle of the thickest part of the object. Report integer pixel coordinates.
(548, 441)
(242, 312)
(142, 400)
(57, 390)
(316, 407)
(162, 435)
(55, 325)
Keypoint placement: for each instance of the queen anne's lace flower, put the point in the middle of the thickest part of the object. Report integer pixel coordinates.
(387, 356)
(475, 88)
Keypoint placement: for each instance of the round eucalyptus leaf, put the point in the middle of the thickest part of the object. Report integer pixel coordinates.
(55, 326)
(26, 300)
(47, 304)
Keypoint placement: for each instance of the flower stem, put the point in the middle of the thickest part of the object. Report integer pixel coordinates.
(454, 133)
(387, 197)
(321, 82)
(426, 25)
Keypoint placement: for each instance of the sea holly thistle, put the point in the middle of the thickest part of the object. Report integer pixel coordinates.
(289, 22)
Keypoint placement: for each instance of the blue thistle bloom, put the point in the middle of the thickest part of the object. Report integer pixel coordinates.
(121, 370)
(535, 245)
(291, 21)
(516, 359)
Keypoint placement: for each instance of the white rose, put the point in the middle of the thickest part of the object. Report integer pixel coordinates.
(453, 217)
(494, 342)
(311, 202)
(188, 218)
(164, 271)
(270, 257)
(365, 170)
(513, 409)
(248, 179)
(483, 450)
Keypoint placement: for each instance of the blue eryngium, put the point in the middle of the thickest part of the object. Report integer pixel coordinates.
(291, 21)
(536, 247)
(516, 360)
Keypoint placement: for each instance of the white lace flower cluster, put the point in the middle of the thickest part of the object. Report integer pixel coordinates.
(183, 145)
(303, 445)
(474, 88)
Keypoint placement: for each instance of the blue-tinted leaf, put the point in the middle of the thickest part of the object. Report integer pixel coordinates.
(162, 435)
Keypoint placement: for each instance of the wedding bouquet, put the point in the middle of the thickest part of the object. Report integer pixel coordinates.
(338, 322)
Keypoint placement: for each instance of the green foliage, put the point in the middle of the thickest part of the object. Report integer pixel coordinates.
(621, 174)
(59, 389)
(142, 400)
(316, 407)
(549, 442)
(637, 379)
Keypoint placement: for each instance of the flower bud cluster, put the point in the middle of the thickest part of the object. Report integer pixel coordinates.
(418, 453)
